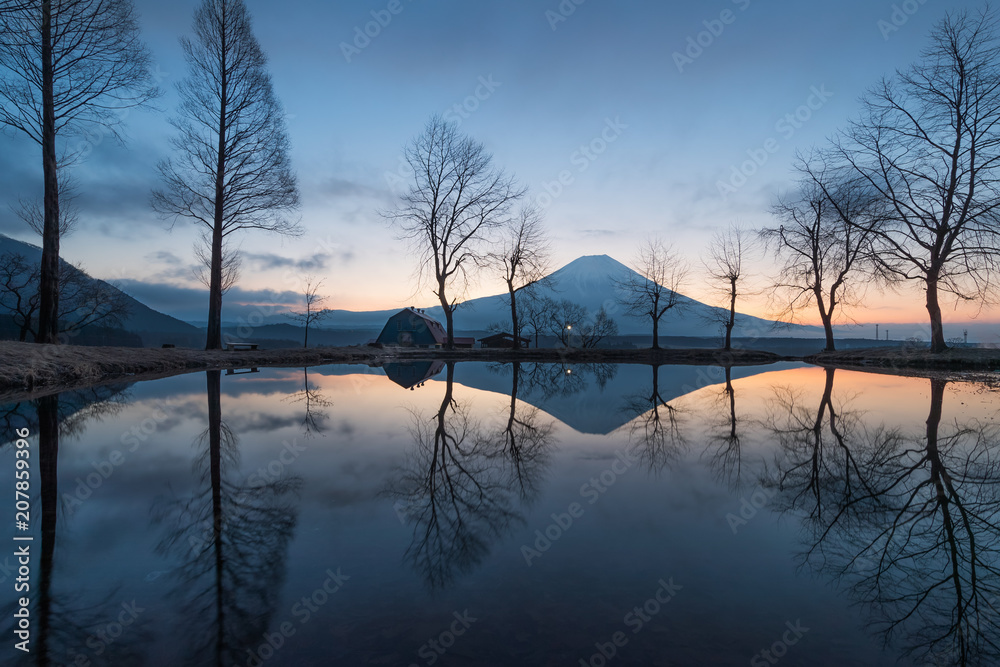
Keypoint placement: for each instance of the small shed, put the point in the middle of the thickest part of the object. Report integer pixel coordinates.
(503, 340)
(413, 327)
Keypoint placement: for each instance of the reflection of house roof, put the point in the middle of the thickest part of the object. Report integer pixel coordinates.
(409, 374)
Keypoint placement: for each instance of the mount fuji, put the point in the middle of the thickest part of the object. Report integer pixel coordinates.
(590, 281)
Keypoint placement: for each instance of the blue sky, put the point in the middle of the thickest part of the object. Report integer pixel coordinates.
(593, 92)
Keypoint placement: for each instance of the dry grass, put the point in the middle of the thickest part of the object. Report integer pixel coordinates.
(28, 369)
(973, 358)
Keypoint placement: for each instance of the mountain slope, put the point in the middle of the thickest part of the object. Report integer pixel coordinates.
(150, 324)
(590, 281)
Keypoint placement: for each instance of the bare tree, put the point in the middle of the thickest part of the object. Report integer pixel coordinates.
(232, 264)
(32, 211)
(83, 300)
(523, 260)
(595, 330)
(532, 316)
(724, 266)
(654, 287)
(574, 326)
(68, 67)
(563, 317)
(313, 313)
(457, 200)
(231, 171)
(824, 243)
(928, 142)
(18, 291)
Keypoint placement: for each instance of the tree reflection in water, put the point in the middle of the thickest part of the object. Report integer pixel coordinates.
(725, 436)
(64, 622)
(908, 523)
(524, 439)
(460, 484)
(314, 403)
(231, 538)
(548, 380)
(656, 436)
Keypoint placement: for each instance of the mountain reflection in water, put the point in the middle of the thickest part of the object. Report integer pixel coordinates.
(345, 515)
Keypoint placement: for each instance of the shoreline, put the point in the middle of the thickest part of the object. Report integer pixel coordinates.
(29, 370)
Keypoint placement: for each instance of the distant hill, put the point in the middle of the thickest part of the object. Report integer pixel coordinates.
(153, 327)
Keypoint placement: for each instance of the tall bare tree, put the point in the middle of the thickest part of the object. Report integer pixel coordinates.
(232, 264)
(824, 242)
(928, 141)
(314, 311)
(523, 259)
(653, 288)
(231, 171)
(724, 267)
(458, 199)
(32, 211)
(67, 67)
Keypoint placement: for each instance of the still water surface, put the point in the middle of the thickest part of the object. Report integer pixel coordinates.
(542, 514)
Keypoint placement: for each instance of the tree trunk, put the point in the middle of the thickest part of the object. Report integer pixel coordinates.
(48, 475)
(656, 333)
(732, 315)
(826, 316)
(828, 329)
(513, 316)
(934, 310)
(214, 338)
(449, 320)
(48, 282)
(214, 382)
(305, 341)
(731, 393)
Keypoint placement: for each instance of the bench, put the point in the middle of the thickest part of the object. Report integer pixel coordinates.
(241, 346)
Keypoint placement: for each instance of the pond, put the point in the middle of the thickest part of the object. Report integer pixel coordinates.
(530, 514)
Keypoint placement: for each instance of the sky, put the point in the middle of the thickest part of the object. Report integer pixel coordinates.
(641, 109)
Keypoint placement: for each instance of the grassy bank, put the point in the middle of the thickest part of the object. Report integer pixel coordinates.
(30, 369)
(27, 369)
(959, 358)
